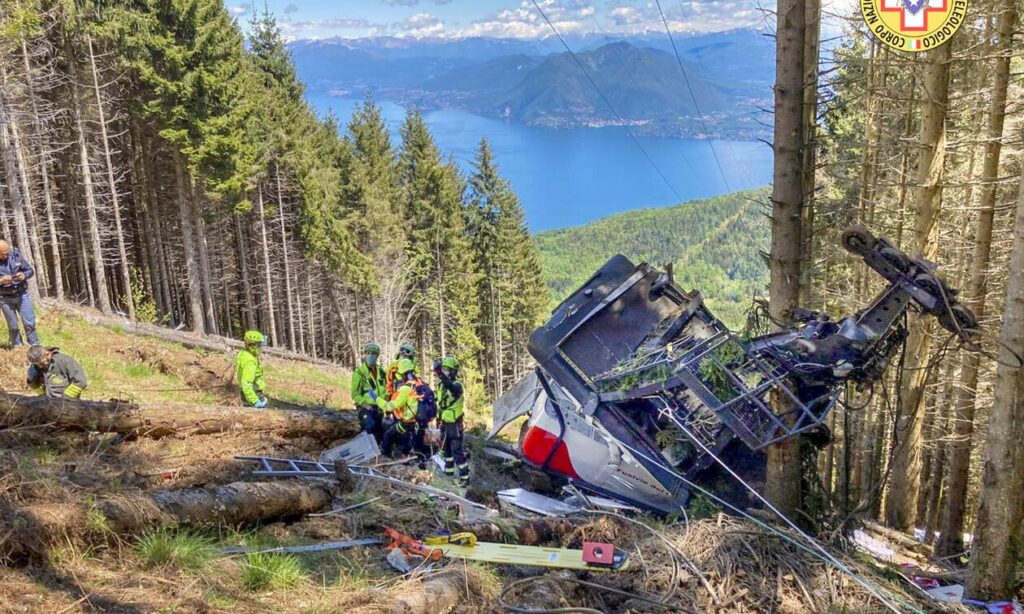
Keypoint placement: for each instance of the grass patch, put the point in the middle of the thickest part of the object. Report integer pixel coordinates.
(138, 370)
(219, 601)
(271, 571)
(95, 521)
(44, 455)
(186, 551)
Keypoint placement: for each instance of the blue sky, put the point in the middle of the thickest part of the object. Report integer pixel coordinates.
(500, 18)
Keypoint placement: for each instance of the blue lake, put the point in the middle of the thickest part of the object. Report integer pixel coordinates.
(567, 177)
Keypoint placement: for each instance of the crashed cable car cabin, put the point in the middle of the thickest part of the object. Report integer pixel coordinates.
(639, 386)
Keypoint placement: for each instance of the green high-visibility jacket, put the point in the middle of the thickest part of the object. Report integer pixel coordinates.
(365, 379)
(250, 376)
(404, 405)
(450, 401)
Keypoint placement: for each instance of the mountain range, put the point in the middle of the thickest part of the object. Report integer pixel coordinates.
(536, 82)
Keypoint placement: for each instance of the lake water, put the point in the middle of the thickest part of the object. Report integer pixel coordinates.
(568, 177)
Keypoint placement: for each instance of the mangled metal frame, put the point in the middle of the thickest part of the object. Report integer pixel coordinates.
(630, 355)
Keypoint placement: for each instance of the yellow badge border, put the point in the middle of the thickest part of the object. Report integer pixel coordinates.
(870, 12)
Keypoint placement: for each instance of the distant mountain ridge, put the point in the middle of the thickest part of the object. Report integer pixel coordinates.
(536, 82)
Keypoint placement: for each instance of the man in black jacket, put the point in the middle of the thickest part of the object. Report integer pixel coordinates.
(15, 301)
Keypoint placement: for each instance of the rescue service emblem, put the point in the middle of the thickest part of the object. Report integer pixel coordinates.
(914, 25)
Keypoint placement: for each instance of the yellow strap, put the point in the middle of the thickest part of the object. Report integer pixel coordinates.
(465, 539)
(74, 391)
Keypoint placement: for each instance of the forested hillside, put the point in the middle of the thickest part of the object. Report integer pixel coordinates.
(925, 149)
(157, 163)
(716, 245)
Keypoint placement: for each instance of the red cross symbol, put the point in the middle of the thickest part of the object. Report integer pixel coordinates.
(910, 21)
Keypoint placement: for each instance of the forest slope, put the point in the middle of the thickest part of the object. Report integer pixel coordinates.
(715, 244)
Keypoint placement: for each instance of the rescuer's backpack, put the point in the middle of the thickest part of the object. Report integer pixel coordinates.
(427, 403)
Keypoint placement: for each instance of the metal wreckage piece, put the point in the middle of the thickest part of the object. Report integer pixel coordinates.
(639, 386)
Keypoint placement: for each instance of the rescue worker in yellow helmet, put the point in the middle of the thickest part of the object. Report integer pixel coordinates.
(451, 401)
(56, 374)
(367, 386)
(392, 379)
(251, 385)
(405, 407)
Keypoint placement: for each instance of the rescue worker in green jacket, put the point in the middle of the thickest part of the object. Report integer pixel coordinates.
(451, 401)
(392, 379)
(251, 385)
(404, 406)
(56, 374)
(367, 386)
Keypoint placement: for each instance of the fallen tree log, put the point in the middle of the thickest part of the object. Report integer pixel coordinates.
(35, 528)
(212, 343)
(235, 504)
(440, 593)
(156, 422)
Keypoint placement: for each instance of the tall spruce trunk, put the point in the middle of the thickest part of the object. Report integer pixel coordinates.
(288, 298)
(15, 189)
(901, 503)
(782, 483)
(185, 217)
(999, 528)
(249, 317)
(812, 42)
(950, 540)
(95, 245)
(56, 279)
(269, 286)
(115, 198)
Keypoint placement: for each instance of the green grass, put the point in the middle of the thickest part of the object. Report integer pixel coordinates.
(271, 571)
(185, 550)
(44, 455)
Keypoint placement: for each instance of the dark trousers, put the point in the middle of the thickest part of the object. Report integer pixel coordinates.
(454, 452)
(398, 435)
(19, 305)
(372, 420)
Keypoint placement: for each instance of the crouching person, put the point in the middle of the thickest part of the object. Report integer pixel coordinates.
(451, 409)
(405, 407)
(57, 375)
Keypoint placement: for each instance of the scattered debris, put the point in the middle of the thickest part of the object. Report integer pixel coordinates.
(335, 545)
(411, 546)
(397, 559)
(539, 504)
(359, 450)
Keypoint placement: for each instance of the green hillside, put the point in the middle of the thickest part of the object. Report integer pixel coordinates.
(716, 245)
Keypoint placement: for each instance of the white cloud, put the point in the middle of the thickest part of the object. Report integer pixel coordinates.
(420, 25)
(316, 28)
(401, 2)
(291, 8)
(238, 10)
(525, 21)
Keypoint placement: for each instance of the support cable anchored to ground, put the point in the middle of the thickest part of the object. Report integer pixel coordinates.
(597, 88)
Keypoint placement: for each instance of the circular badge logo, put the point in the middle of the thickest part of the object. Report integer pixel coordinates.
(913, 25)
